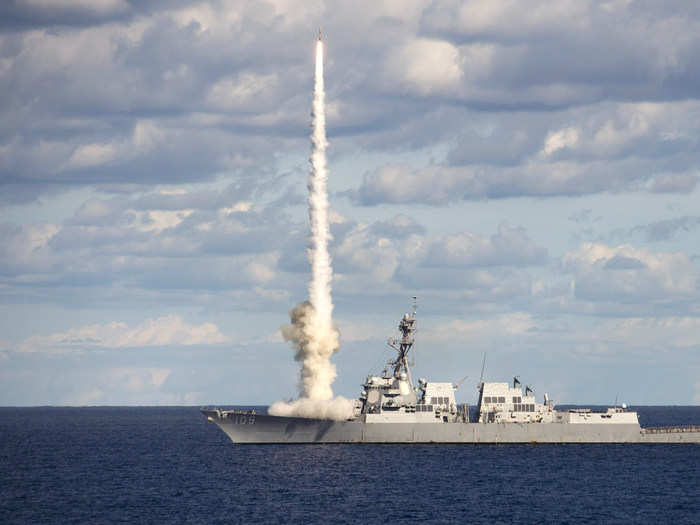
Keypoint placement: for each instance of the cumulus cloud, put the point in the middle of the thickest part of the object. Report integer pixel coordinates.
(668, 228)
(62, 12)
(618, 148)
(153, 239)
(399, 226)
(172, 132)
(660, 333)
(647, 129)
(25, 249)
(169, 330)
(519, 324)
(246, 92)
(89, 155)
(624, 273)
(376, 255)
(142, 107)
(440, 185)
(556, 140)
(139, 385)
(426, 66)
(620, 41)
(684, 182)
(179, 141)
(395, 183)
(509, 246)
(412, 258)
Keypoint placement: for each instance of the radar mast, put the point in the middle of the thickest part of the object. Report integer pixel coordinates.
(407, 327)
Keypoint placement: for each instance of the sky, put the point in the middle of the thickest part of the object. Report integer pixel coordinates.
(529, 170)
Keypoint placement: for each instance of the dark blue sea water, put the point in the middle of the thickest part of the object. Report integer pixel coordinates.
(168, 465)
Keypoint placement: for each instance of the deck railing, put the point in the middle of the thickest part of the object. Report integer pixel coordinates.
(669, 430)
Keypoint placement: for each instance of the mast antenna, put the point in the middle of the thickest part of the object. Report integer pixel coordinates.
(483, 366)
(459, 383)
(407, 327)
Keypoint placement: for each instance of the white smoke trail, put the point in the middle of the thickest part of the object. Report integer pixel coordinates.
(312, 331)
(338, 409)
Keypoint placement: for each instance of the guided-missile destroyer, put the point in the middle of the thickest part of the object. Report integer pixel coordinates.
(391, 409)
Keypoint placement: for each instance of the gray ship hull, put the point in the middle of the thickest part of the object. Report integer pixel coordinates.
(249, 427)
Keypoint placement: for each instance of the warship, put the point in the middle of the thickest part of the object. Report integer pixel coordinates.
(391, 409)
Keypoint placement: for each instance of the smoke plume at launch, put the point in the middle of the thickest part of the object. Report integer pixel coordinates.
(311, 331)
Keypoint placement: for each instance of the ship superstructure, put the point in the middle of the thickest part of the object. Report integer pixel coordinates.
(391, 409)
(392, 397)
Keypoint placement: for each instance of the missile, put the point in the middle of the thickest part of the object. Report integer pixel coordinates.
(320, 39)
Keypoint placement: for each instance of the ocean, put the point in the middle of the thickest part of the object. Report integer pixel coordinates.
(168, 465)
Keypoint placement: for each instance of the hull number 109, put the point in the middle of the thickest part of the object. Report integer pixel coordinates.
(242, 419)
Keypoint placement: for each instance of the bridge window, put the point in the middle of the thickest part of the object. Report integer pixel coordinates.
(487, 399)
(502, 399)
(430, 408)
